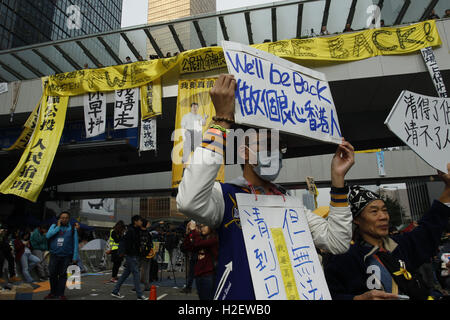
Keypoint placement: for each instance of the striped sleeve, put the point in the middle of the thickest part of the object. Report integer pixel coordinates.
(215, 141)
(339, 197)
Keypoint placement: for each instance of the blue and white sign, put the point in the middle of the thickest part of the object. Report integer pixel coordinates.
(283, 261)
(275, 93)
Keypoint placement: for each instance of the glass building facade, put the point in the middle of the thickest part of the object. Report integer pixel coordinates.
(26, 22)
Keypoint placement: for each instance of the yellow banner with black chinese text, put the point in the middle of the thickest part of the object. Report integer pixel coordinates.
(343, 47)
(194, 113)
(151, 99)
(29, 176)
(28, 130)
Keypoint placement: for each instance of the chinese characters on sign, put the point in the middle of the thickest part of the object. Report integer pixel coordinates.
(94, 113)
(433, 69)
(282, 257)
(29, 176)
(126, 109)
(3, 87)
(148, 135)
(423, 123)
(275, 93)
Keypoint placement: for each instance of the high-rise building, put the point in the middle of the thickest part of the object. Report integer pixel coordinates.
(26, 22)
(166, 10)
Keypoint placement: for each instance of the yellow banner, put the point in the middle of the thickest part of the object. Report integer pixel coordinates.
(29, 176)
(194, 112)
(151, 99)
(28, 130)
(343, 47)
(287, 273)
(202, 60)
(368, 151)
(358, 45)
(112, 78)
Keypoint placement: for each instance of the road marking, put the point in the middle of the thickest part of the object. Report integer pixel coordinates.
(161, 296)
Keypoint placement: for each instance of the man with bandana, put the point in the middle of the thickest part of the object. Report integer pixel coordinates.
(381, 267)
(214, 204)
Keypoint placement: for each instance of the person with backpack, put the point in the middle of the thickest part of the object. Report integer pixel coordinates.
(382, 267)
(63, 245)
(171, 243)
(130, 248)
(146, 253)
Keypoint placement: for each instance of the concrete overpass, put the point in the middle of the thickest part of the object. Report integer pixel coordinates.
(363, 91)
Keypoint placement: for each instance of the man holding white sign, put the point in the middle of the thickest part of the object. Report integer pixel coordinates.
(379, 266)
(214, 204)
(272, 92)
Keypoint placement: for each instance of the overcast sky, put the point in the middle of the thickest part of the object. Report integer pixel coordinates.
(134, 12)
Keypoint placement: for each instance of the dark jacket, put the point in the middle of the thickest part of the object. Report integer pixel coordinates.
(129, 245)
(346, 274)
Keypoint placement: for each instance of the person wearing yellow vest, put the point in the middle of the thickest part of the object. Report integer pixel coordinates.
(115, 235)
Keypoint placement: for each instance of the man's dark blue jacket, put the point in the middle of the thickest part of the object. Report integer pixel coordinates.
(346, 274)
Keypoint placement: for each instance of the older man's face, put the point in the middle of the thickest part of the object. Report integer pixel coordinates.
(374, 220)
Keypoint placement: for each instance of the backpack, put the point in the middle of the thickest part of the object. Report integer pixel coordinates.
(411, 284)
(145, 243)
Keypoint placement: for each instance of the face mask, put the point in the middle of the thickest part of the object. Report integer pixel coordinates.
(268, 166)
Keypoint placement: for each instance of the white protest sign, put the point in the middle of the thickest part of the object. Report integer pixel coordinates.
(283, 261)
(423, 123)
(94, 113)
(275, 93)
(148, 135)
(3, 87)
(126, 109)
(433, 69)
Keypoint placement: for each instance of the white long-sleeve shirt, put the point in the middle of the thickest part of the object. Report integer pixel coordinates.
(200, 198)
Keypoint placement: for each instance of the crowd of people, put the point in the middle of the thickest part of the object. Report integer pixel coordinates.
(26, 251)
(354, 239)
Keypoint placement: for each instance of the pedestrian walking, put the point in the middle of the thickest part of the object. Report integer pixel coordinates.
(63, 243)
(115, 236)
(131, 251)
(146, 253)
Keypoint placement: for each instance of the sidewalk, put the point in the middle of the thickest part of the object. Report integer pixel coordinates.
(96, 286)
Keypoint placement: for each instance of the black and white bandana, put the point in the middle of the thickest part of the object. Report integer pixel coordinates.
(359, 198)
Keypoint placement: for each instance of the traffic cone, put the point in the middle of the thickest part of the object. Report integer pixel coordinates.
(152, 295)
